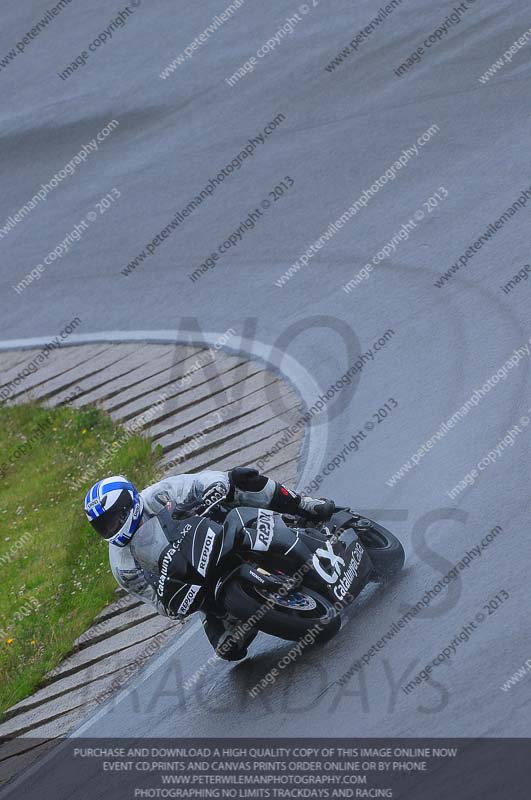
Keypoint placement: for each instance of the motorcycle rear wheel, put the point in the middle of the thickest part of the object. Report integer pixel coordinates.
(291, 621)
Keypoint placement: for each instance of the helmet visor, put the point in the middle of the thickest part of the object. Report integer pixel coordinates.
(109, 523)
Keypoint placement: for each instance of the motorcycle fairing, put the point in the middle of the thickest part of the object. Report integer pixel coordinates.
(338, 567)
(177, 557)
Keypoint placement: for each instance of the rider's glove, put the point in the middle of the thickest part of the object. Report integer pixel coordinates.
(214, 493)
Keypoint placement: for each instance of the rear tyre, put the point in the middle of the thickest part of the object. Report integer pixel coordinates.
(289, 617)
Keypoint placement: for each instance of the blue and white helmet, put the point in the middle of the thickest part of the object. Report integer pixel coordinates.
(114, 507)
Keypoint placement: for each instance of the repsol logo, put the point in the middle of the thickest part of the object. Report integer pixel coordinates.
(188, 600)
(206, 551)
(265, 526)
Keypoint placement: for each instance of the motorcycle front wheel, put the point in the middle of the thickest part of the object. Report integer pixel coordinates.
(384, 549)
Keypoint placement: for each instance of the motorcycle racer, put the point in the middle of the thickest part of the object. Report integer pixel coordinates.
(149, 564)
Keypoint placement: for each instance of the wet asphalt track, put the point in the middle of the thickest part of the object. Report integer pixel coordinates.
(342, 130)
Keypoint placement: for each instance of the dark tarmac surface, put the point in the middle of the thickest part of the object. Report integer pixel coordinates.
(336, 133)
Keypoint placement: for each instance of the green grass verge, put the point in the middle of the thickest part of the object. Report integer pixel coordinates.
(54, 569)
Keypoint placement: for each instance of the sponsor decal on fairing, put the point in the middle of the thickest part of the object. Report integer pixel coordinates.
(350, 573)
(334, 561)
(265, 525)
(204, 558)
(188, 599)
(166, 561)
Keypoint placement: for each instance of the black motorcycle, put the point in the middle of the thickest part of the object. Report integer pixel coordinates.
(290, 575)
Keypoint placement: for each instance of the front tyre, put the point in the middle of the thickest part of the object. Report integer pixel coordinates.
(384, 549)
(287, 617)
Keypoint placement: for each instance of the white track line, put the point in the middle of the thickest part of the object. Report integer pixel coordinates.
(290, 369)
(77, 732)
(134, 684)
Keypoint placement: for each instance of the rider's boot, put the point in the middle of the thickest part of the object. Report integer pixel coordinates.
(227, 637)
(286, 501)
(252, 488)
